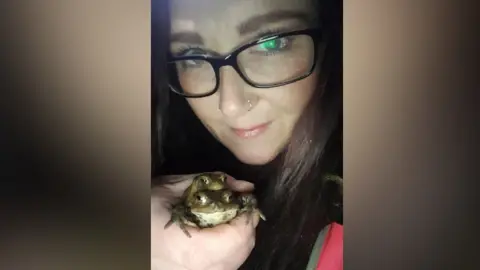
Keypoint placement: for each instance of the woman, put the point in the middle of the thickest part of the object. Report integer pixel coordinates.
(258, 109)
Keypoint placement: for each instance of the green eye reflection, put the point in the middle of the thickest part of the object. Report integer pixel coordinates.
(270, 45)
(273, 46)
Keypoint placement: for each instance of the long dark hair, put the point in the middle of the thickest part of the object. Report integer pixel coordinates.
(290, 191)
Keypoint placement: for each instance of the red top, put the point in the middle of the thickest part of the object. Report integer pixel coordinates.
(331, 254)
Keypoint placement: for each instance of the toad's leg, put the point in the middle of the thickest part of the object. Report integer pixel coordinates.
(250, 210)
(177, 216)
(250, 205)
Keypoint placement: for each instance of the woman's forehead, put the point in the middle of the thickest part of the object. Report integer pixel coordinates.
(193, 15)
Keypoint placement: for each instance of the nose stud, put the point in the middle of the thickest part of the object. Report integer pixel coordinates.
(249, 105)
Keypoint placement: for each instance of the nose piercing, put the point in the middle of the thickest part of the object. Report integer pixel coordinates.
(249, 105)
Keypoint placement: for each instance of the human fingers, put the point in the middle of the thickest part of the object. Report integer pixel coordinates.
(239, 185)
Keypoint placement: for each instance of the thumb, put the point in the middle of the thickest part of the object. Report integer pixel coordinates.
(240, 185)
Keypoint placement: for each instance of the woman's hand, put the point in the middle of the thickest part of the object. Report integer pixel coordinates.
(224, 247)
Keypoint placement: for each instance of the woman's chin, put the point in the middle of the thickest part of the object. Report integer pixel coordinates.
(254, 157)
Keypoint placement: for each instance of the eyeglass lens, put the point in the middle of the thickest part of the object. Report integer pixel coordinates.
(272, 62)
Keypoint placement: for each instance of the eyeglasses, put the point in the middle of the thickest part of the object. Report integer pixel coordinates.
(268, 62)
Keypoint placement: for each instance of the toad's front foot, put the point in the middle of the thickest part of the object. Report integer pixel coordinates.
(250, 210)
(177, 216)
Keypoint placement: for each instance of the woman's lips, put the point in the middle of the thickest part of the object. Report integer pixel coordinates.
(251, 132)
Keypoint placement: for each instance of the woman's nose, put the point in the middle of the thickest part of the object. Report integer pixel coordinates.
(232, 100)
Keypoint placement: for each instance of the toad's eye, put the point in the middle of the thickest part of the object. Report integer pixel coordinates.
(202, 198)
(205, 180)
(227, 196)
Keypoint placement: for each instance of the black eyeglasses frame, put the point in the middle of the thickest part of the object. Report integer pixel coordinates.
(230, 59)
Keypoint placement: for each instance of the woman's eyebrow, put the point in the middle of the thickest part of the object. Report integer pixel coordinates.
(256, 22)
(186, 37)
(249, 26)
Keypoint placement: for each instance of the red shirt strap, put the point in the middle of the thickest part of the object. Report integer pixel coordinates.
(331, 254)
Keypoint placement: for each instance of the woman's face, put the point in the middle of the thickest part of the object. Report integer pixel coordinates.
(254, 124)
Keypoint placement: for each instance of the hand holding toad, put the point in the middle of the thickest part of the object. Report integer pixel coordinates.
(224, 247)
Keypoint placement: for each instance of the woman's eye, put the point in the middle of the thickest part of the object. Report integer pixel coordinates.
(192, 64)
(191, 51)
(273, 45)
